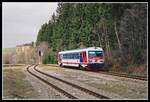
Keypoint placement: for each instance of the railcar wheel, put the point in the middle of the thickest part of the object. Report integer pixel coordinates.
(81, 68)
(60, 65)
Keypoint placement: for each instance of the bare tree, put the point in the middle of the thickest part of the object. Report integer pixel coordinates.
(116, 32)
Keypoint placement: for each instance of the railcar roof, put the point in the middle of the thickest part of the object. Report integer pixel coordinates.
(79, 50)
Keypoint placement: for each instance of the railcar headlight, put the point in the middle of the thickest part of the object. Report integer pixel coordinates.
(101, 61)
(90, 60)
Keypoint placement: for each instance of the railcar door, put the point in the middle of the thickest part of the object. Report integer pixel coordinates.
(84, 57)
(81, 59)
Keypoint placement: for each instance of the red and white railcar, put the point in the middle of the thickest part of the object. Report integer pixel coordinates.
(92, 57)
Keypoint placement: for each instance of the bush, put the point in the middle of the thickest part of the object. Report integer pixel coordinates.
(137, 56)
(49, 59)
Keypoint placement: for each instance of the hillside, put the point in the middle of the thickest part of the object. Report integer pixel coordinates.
(120, 29)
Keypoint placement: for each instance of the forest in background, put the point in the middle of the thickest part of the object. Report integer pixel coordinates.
(119, 28)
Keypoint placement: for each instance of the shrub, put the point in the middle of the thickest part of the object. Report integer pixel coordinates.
(137, 56)
(49, 59)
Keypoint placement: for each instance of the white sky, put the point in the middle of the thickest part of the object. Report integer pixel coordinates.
(22, 21)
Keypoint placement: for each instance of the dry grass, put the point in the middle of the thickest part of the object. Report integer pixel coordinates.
(15, 86)
(13, 65)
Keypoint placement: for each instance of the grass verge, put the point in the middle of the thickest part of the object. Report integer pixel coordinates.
(15, 85)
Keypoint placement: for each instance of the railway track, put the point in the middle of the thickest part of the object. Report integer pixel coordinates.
(75, 87)
(125, 75)
(117, 74)
(50, 84)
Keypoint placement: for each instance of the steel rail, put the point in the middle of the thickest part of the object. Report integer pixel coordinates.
(74, 85)
(117, 74)
(50, 84)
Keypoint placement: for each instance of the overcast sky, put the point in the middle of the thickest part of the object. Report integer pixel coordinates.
(22, 21)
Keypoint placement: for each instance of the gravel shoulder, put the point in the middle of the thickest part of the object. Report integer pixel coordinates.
(128, 88)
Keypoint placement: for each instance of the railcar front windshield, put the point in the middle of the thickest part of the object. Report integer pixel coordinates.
(95, 54)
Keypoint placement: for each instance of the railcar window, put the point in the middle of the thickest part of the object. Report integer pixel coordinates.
(71, 56)
(64, 56)
(95, 54)
(76, 56)
(68, 56)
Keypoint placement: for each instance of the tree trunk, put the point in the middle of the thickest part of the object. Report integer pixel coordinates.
(99, 40)
(116, 32)
(108, 45)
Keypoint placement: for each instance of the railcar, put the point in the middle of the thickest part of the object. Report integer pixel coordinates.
(86, 58)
